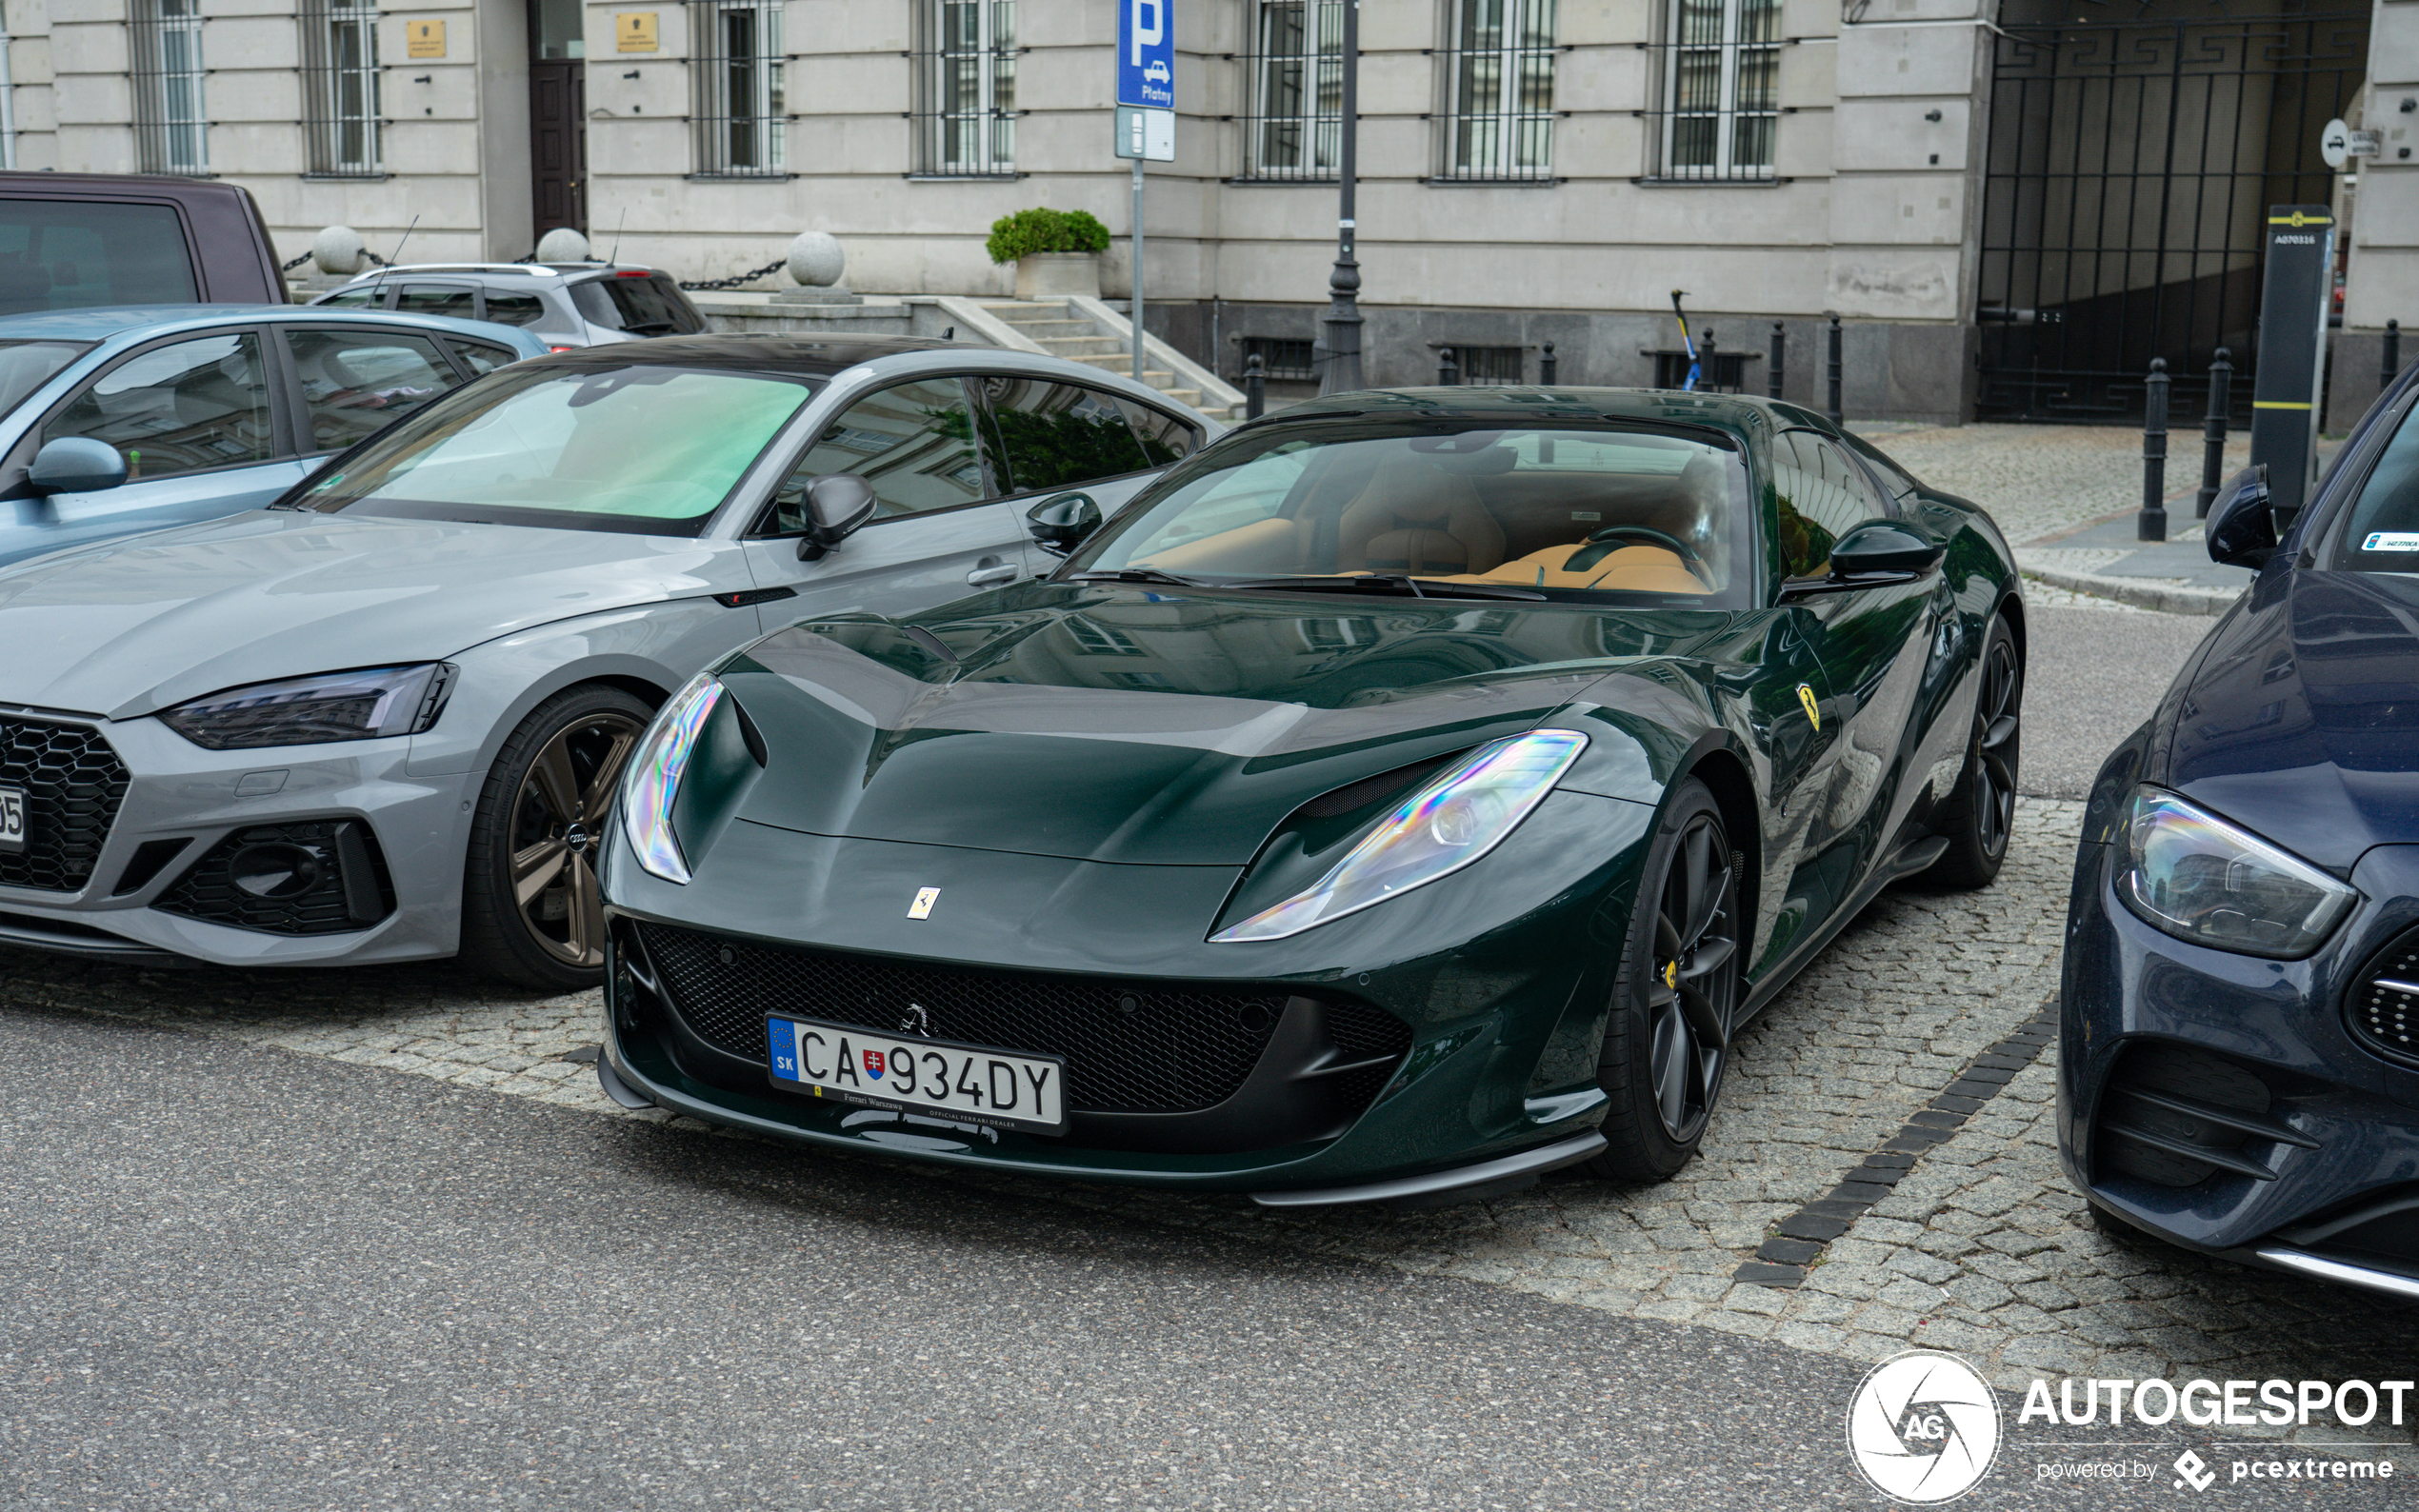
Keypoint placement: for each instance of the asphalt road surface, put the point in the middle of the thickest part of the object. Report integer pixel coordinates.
(2090, 676)
(241, 1278)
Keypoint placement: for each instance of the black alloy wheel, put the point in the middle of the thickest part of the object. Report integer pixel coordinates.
(1980, 819)
(1675, 997)
(532, 910)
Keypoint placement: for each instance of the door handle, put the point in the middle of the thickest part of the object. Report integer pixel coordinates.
(991, 572)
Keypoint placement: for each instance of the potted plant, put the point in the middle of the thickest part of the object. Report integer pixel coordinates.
(1056, 252)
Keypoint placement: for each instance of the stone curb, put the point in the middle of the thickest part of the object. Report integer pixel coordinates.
(2167, 598)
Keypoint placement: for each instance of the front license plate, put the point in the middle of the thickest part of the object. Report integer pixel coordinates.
(965, 1081)
(11, 819)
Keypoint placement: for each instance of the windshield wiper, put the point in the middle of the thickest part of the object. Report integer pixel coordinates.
(1398, 583)
(1134, 575)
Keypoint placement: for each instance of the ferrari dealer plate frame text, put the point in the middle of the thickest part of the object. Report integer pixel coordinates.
(13, 820)
(869, 1068)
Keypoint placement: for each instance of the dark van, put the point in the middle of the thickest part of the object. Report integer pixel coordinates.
(76, 241)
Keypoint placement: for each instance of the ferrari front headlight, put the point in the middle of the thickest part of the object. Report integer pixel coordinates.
(654, 775)
(361, 704)
(1446, 825)
(2186, 872)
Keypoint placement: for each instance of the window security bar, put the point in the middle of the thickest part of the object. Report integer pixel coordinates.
(1718, 82)
(1294, 83)
(1497, 83)
(340, 68)
(172, 126)
(739, 110)
(963, 116)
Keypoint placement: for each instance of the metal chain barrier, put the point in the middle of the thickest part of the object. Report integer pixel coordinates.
(290, 265)
(736, 279)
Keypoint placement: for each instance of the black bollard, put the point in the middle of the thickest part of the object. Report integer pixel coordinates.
(2151, 524)
(1255, 386)
(1780, 346)
(1545, 364)
(1834, 410)
(1708, 372)
(2213, 431)
(2392, 360)
(1448, 372)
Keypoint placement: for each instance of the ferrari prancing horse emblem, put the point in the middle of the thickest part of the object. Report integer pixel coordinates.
(924, 899)
(1804, 696)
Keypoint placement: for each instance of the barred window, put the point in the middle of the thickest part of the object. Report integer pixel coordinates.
(171, 131)
(1499, 90)
(739, 106)
(1722, 89)
(1293, 129)
(340, 85)
(1489, 364)
(966, 112)
(1281, 357)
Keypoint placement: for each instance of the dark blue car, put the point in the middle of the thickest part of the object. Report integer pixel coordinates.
(2240, 1049)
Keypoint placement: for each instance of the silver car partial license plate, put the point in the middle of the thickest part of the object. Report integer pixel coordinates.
(13, 819)
(970, 1082)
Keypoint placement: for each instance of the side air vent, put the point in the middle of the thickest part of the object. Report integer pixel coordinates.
(2177, 1116)
(322, 877)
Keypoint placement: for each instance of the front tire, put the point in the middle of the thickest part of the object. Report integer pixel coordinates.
(1675, 995)
(531, 912)
(1981, 817)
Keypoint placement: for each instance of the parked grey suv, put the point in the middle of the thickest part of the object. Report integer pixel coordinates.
(564, 305)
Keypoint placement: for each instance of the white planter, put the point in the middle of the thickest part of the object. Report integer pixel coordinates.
(1057, 275)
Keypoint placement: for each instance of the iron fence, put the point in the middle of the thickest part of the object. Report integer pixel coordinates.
(340, 87)
(739, 110)
(1293, 91)
(1716, 87)
(965, 103)
(1495, 79)
(171, 125)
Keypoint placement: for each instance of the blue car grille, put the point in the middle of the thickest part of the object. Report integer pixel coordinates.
(73, 784)
(2382, 1006)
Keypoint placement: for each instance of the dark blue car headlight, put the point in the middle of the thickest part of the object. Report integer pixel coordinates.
(2188, 873)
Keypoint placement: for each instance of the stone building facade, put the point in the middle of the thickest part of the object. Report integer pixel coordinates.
(1530, 171)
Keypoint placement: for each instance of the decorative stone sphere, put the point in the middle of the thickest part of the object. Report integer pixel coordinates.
(816, 260)
(563, 245)
(337, 250)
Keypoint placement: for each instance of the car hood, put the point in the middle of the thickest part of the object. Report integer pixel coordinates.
(138, 624)
(2302, 719)
(1114, 725)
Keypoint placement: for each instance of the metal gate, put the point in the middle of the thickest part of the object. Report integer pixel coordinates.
(2129, 168)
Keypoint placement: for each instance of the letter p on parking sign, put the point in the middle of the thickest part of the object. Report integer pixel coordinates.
(1146, 55)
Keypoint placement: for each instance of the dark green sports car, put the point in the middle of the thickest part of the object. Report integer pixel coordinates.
(1410, 793)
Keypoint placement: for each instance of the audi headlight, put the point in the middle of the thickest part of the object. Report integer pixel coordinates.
(2188, 873)
(1443, 827)
(361, 704)
(654, 777)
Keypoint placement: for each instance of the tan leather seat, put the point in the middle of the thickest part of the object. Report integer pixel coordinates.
(1414, 518)
(1631, 569)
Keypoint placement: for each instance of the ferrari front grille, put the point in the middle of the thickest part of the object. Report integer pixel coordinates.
(73, 784)
(1129, 1048)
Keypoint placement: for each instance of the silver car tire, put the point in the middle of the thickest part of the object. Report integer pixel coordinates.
(531, 912)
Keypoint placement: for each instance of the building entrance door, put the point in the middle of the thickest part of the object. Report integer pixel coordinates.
(558, 116)
(2131, 164)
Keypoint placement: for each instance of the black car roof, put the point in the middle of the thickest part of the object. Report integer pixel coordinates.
(747, 352)
(1735, 414)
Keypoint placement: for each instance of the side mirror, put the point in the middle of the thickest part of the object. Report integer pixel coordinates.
(2242, 528)
(75, 465)
(1880, 547)
(1061, 524)
(838, 504)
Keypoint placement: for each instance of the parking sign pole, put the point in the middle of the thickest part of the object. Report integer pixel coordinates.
(1137, 310)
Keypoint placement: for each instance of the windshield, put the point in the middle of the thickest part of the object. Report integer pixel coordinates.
(648, 449)
(642, 304)
(26, 366)
(1563, 512)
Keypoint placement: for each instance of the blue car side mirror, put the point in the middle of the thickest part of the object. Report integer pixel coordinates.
(2242, 528)
(75, 465)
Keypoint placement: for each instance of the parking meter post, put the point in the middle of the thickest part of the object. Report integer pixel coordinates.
(1780, 347)
(1255, 386)
(1834, 410)
(1447, 371)
(1545, 367)
(2213, 431)
(2151, 524)
(2296, 287)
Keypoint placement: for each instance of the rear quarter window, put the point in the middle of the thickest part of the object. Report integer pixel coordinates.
(78, 254)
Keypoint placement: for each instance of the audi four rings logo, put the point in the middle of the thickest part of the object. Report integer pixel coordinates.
(1923, 1427)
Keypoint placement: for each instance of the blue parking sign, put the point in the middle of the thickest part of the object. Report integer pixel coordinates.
(1147, 54)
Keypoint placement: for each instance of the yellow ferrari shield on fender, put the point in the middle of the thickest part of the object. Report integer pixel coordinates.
(1814, 709)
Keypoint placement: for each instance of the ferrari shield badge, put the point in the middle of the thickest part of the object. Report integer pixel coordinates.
(924, 899)
(1804, 696)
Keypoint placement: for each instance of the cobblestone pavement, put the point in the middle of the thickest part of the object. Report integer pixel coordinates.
(2040, 482)
(1982, 1248)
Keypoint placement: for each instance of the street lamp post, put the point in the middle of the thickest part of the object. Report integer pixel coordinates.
(1343, 372)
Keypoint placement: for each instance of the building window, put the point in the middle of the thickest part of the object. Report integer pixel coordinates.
(8, 99)
(739, 106)
(1294, 131)
(172, 132)
(1282, 358)
(1722, 89)
(1499, 92)
(966, 89)
(1487, 365)
(340, 85)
